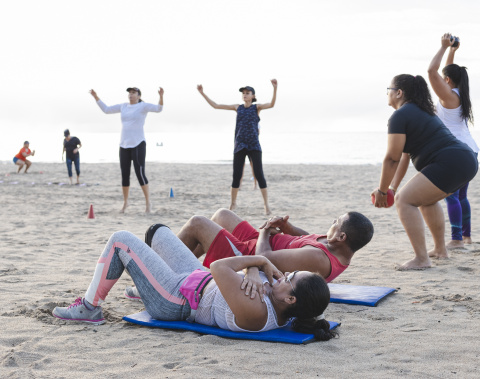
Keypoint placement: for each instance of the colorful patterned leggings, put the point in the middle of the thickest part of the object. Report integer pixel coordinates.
(157, 272)
(459, 213)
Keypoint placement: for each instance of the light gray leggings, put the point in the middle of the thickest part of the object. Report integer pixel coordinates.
(157, 272)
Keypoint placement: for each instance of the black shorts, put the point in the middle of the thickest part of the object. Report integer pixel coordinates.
(452, 169)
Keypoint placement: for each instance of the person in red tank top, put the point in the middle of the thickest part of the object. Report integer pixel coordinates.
(289, 247)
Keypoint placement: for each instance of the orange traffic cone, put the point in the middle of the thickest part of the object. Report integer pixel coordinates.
(90, 212)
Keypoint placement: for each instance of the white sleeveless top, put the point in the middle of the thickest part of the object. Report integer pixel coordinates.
(213, 310)
(452, 118)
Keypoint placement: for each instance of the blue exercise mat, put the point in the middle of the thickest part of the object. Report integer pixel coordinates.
(285, 334)
(359, 295)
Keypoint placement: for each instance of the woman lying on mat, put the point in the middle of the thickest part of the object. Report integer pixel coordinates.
(174, 286)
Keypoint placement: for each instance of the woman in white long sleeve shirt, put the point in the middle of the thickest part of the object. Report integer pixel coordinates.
(132, 140)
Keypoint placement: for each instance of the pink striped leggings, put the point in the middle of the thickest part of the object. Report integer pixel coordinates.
(157, 272)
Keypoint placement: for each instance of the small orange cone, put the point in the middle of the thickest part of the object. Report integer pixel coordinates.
(90, 212)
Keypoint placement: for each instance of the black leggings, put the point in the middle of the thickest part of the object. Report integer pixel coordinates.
(255, 157)
(137, 155)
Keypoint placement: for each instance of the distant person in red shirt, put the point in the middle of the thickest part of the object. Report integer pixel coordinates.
(21, 158)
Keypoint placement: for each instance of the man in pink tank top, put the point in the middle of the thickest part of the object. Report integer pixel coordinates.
(289, 247)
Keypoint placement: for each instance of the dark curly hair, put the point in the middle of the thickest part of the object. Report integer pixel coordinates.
(359, 230)
(459, 76)
(415, 90)
(313, 296)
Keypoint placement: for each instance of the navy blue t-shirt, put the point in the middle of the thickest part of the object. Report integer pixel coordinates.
(246, 130)
(426, 135)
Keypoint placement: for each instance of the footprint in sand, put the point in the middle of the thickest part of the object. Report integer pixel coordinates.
(468, 269)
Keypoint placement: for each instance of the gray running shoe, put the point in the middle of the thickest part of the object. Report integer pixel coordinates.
(132, 293)
(79, 312)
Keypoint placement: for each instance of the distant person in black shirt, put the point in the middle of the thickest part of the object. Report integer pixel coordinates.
(71, 145)
(444, 163)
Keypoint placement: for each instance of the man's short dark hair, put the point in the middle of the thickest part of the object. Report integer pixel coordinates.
(359, 230)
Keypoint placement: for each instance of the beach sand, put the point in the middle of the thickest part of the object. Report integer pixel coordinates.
(428, 329)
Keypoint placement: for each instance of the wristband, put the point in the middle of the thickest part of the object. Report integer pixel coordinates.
(393, 189)
(382, 193)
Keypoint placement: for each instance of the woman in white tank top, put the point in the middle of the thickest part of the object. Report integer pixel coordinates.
(455, 110)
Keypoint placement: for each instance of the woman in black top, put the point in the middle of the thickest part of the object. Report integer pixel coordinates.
(444, 163)
(246, 139)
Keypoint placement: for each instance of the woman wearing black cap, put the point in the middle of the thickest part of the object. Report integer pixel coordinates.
(246, 139)
(71, 145)
(132, 142)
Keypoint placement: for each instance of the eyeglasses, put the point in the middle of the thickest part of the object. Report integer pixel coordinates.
(391, 88)
(289, 279)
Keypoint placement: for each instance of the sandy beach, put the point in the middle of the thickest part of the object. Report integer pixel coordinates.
(428, 329)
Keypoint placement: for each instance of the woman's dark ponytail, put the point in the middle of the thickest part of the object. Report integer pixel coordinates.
(312, 298)
(459, 76)
(319, 328)
(415, 90)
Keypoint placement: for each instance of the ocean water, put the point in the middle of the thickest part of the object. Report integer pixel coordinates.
(346, 148)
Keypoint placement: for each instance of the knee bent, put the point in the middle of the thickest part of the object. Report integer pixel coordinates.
(121, 235)
(220, 214)
(196, 221)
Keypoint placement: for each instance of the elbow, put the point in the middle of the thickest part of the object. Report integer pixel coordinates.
(391, 160)
(214, 268)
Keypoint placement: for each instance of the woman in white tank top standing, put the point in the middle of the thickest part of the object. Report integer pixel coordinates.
(455, 110)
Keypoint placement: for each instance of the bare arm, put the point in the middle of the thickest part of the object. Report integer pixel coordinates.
(401, 171)
(451, 53)
(274, 98)
(396, 143)
(284, 226)
(250, 314)
(306, 258)
(160, 93)
(214, 104)
(63, 152)
(94, 94)
(445, 94)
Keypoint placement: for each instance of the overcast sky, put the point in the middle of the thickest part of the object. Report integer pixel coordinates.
(333, 60)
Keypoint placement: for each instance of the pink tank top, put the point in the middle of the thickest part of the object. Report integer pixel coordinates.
(285, 241)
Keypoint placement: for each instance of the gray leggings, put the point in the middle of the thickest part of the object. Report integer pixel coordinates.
(157, 272)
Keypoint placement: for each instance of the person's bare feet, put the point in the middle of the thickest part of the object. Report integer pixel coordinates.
(438, 254)
(125, 205)
(148, 209)
(414, 264)
(233, 206)
(467, 240)
(456, 245)
(267, 210)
